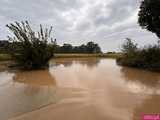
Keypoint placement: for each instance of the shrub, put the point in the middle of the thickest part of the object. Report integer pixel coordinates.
(29, 49)
(146, 58)
(129, 48)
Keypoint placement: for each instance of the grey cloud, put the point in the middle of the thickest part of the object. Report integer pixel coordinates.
(78, 21)
(114, 12)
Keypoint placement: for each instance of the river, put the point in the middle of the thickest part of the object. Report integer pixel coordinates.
(79, 89)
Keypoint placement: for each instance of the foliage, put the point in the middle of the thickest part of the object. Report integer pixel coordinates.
(4, 46)
(29, 49)
(129, 46)
(90, 47)
(147, 58)
(149, 16)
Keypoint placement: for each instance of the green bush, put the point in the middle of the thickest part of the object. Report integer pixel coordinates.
(146, 58)
(29, 49)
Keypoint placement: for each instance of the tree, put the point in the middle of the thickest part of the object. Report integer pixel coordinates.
(92, 47)
(129, 47)
(149, 16)
(66, 48)
(4, 46)
(29, 49)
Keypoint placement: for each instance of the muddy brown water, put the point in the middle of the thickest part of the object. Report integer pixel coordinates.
(79, 89)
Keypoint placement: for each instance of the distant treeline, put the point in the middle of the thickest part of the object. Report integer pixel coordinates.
(90, 47)
(4, 46)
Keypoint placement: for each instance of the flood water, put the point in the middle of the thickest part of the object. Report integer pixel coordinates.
(79, 89)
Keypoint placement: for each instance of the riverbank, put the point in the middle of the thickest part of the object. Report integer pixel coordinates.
(6, 61)
(7, 57)
(103, 55)
(149, 64)
(147, 58)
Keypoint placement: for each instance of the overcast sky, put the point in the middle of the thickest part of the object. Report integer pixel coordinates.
(107, 22)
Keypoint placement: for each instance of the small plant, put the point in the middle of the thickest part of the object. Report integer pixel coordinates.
(29, 49)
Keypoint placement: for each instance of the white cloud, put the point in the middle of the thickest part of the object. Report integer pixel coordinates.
(107, 22)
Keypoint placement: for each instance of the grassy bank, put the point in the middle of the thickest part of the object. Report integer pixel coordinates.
(145, 58)
(5, 57)
(6, 60)
(112, 55)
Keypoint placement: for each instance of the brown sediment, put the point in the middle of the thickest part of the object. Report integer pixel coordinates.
(80, 89)
(4, 65)
(38, 77)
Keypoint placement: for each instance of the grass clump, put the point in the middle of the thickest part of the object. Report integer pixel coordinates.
(29, 49)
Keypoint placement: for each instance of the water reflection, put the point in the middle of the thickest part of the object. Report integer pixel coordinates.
(90, 88)
(149, 106)
(5, 78)
(38, 78)
(146, 84)
(26, 91)
(150, 79)
(67, 62)
(142, 81)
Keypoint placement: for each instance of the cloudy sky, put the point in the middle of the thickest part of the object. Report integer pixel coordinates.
(107, 22)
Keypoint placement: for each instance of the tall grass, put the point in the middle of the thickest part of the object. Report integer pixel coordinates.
(5, 57)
